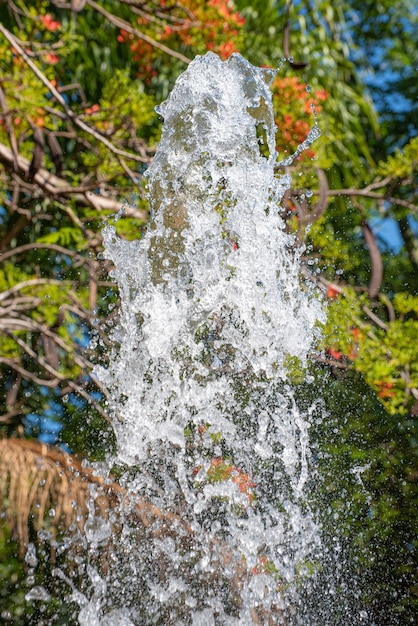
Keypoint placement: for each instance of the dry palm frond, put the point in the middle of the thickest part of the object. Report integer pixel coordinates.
(49, 488)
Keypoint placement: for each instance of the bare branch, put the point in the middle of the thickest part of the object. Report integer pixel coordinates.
(389, 306)
(322, 204)
(366, 193)
(47, 382)
(286, 43)
(40, 246)
(31, 282)
(380, 323)
(376, 261)
(340, 365)
(38, 153)
(54, 186)
(18, 305)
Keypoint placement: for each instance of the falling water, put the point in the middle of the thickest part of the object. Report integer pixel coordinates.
(212, 309)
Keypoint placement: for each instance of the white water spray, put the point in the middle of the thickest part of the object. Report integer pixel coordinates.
(212, 306)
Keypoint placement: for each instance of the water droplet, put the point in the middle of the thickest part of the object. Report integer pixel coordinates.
(38, 593)
(30, 556)
(97, 529)
(119, 214)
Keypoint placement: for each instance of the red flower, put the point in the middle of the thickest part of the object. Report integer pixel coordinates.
(49, 23)
(92, 109)
(385, 390)
(51, 58)
(334, 353)
(332, 292)
(260, 568)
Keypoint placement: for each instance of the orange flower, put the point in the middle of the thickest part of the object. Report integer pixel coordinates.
(220, 470)
(245, 484)
(321, 94)
(226, 49)
(239, 19)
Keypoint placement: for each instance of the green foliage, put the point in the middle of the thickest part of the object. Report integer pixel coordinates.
(333, 250)
(67, 236)
(386, 355)
(389, 361)
(18, 579)
(318, 45)
(403, 163)
(368, 483)
(13, 608)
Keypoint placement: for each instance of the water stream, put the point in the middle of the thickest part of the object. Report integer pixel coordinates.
(212, 309)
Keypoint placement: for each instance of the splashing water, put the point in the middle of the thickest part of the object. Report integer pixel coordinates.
(212, 308)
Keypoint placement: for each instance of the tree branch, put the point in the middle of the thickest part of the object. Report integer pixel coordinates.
(54, 186)
(40, 246)
(376, 260)
(43, 382)
(380, 323)
(367, 193)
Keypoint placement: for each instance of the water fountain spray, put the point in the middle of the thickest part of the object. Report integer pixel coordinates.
(212, 308)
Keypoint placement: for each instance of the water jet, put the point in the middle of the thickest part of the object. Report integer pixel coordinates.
(212, 306)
